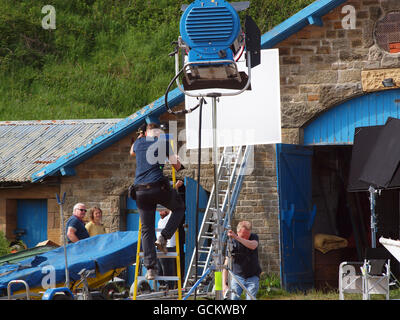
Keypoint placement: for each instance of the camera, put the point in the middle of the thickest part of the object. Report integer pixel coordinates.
(164, 126)
(142, 129)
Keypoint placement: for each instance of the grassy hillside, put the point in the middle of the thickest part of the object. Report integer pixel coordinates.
(105, 59)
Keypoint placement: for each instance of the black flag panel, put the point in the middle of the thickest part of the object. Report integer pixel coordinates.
(364, 140)
(376, 157)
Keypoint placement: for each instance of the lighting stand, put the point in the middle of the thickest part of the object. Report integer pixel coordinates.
(218, 228)
(60, 203)
(231, 275)
(372, 199)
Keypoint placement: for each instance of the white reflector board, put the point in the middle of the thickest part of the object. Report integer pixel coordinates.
(250, 118)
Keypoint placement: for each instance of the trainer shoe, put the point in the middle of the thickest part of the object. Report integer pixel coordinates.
(151, 274)
(161, 244)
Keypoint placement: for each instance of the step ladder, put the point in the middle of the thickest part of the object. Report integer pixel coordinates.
(160, 255)
(232, 168)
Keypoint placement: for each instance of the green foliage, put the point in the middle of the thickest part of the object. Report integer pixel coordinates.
(4, 245)
(105, 59)
(269, 284)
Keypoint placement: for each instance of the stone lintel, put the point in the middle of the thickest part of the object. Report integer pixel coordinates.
(372, 79)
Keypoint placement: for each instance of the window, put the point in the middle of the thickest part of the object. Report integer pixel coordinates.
(387, 32)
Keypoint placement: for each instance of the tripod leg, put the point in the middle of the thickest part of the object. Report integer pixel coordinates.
(197, 283)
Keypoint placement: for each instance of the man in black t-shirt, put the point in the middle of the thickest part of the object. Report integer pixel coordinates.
(245, 264)
(152, 187)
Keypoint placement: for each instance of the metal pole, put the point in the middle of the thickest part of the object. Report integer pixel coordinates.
(229, 226)
(372, 192)
(61, 202)
(218, 226)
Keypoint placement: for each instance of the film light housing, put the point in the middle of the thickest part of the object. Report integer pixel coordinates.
(211, 43)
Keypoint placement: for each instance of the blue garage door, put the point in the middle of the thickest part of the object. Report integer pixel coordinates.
(296, 216)
(32, 219)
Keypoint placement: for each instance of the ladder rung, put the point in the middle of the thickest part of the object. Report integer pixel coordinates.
(163, 278)
(232, 161)
(162, 255)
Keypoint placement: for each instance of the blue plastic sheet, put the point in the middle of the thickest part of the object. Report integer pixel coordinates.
(106, 252)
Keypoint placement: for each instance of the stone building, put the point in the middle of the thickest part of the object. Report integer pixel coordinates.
(334, 56)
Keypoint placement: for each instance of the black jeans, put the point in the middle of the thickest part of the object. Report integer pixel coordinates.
(147, 201)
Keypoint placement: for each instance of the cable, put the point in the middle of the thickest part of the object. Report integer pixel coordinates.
(166, 97)
(184, 111)
(198, 192)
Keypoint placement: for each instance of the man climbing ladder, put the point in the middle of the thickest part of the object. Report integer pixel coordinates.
(152, 188)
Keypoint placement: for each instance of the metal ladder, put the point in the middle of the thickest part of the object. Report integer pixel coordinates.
(160, 255)
(231, 171)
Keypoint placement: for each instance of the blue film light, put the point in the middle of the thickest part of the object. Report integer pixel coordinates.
(209, 28)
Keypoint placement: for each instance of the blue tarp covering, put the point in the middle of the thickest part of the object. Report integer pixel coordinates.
(106, 252)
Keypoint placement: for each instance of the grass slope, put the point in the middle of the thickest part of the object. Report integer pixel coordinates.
(105, 59)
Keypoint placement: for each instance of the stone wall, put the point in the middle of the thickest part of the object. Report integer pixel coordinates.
(8, 208)
(102, 181)
(321, 66)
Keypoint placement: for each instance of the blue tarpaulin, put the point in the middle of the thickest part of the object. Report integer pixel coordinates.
(106, 252)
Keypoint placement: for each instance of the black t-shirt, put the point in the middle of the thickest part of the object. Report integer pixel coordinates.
(245, 261)
(151, 154)
(79, 226)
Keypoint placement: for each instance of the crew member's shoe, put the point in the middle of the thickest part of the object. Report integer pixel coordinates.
(151, 274)
(161, 244)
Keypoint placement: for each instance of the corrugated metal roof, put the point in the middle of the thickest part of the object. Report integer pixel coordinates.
(28, 146)
(116, 132)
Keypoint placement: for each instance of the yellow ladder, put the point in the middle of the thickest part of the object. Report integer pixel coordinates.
(160, 255)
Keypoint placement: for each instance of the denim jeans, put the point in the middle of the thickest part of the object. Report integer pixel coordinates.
(147, 201)
(251, 284)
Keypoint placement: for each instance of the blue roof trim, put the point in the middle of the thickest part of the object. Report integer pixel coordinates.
(309, 15)
(115, 133)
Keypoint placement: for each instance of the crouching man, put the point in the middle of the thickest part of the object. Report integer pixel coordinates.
(245, 264)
